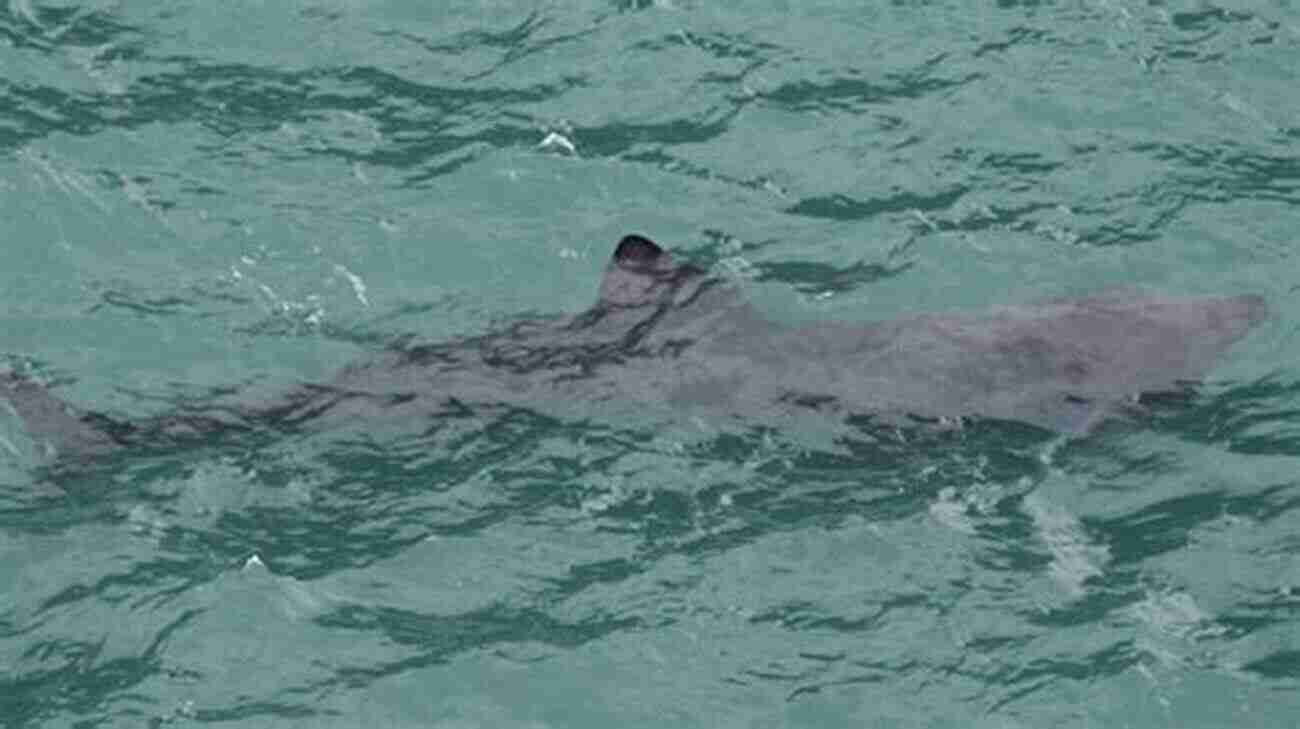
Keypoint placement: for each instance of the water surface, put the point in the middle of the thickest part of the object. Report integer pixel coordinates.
(202, 195)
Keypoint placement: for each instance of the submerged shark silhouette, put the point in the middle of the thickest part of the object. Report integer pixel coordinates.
(663, 332)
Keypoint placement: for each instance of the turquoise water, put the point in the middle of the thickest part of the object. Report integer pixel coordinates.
(202, 195)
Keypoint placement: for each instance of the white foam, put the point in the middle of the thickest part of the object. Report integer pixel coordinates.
(358, 285)
(1075, 558)
(555, 140)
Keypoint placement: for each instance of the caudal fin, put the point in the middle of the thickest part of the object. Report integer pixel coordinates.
(61, 432)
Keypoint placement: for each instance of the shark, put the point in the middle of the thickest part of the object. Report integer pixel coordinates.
(665, 333)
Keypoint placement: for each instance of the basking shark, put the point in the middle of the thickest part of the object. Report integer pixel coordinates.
(666, 333)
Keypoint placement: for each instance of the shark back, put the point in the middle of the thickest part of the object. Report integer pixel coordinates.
(1064, 365)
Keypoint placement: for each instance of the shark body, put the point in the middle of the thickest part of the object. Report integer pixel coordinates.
(666, 333)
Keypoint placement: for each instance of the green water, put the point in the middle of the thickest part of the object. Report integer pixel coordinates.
(200, 195)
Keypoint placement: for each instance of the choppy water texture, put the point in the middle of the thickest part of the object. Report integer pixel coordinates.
(202, 195)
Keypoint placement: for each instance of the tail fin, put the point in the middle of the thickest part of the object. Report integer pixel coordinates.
(61, 432)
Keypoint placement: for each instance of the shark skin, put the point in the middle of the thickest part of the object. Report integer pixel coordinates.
(668, 334)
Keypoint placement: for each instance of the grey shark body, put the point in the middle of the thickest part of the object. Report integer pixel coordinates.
(667, 334)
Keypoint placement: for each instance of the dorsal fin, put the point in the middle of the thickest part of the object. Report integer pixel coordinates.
(637, 249)
(643, 281)
(640, 273)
